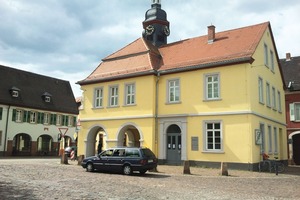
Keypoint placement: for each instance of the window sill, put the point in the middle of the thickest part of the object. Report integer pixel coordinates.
(217, 152)
(207, 100)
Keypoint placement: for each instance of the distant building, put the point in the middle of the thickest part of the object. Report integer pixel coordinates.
(291, 72)
(209, 99)
(34, 109)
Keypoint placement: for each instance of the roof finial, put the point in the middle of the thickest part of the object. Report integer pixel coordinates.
(156, 1)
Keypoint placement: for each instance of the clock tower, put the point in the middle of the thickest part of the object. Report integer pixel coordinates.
(156, 25)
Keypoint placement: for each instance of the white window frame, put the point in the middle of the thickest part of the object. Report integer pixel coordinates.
(113, 96)
(130, 94)
(270, 139)
(279, 101)
(33, 117)
(266, 55)
(19, 115)
(213, 131)
(46, 118)
(263, 137)
(15, 93)
(272, 61)
(173, 91)
(70, 120)
(268, 94)
(98, 97)
(295, 111)
(275, 140)
(212, 86)
(274, 106)
(58, 119)
(260, 90)
(47, 99)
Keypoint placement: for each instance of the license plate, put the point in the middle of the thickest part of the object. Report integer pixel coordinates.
(150, 161)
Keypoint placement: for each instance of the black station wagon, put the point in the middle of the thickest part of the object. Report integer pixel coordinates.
(122, 159)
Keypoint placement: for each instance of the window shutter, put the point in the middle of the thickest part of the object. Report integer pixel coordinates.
(14, 115)
(54, 119)
(74, 121)
(25, 116)
(292, 112)
(39, 121)
(28, 116)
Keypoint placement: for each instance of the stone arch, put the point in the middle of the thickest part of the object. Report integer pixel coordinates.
(130, 135)
(95, 135)
(44, 144)
(294, 147)
(22, 144)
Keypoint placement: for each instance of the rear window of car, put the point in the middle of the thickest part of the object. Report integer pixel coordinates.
(148, 153)
(132, 153)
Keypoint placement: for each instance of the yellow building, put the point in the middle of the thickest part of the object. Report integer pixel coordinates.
(210, 99)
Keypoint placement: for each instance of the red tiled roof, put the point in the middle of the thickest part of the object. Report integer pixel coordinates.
(142, 57)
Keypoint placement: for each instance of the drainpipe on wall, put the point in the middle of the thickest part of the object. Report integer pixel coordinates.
(156, 113)
(6, 128)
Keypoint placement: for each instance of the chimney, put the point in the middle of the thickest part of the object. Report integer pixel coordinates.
(288, 57)
(211, 34)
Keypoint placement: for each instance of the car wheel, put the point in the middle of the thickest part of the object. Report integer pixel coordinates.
(89, 167)
(127, 170)
(143, 171)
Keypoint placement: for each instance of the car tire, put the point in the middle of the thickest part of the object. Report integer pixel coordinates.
(143, 172)
(127, 170)
(89, 167)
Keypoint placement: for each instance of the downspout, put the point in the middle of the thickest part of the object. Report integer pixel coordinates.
(6, 128)
(156, 112)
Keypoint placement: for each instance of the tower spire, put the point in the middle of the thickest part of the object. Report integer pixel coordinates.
(156, 25)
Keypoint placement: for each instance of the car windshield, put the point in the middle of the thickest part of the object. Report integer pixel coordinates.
(148, 153)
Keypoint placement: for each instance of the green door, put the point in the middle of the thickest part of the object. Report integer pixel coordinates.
(173, 145)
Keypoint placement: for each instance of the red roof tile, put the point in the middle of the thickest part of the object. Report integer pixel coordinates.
(141, 56)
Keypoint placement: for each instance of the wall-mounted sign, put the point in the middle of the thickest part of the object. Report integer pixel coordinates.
(258, 137)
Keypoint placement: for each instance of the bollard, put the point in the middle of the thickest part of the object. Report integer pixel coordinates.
(224, 171)
(80, 159)
(64, 159)
(186, 167)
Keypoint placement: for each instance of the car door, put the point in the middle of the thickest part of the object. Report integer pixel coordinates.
(115, 162)
(103, 162)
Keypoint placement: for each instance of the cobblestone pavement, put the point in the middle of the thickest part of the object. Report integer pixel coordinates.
(49, 179)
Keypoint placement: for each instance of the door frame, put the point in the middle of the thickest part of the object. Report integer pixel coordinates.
(164, 123)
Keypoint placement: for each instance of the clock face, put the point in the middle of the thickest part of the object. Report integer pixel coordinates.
(166, 30)
(149, 29)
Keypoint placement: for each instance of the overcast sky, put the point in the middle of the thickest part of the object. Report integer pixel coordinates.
(67, 39)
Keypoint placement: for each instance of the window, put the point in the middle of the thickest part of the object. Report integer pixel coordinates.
(46, 118)
(272, 60)
(0, 138)
(58, 120)
(173, 91)
(47, 99)
(279, 101)
(260, 90)
(15, 94)
(32, 117)
(70, 120)
(274, 106)
(266, 55)
(295, 111)
(98, 102)
(213, 136)
(113, 96)
(212, 87)
(268, 95)
(270, 139)
(275, 140)
(1, 111)
(130, 94)
(262, 130)
(19, 115)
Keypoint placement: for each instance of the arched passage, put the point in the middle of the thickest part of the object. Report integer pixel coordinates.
(294, 147)
(22, 145)
(95, 141)
(44, 145)
(129, 136)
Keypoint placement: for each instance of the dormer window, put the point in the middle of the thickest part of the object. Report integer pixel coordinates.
(47, 97)
(15, 92)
